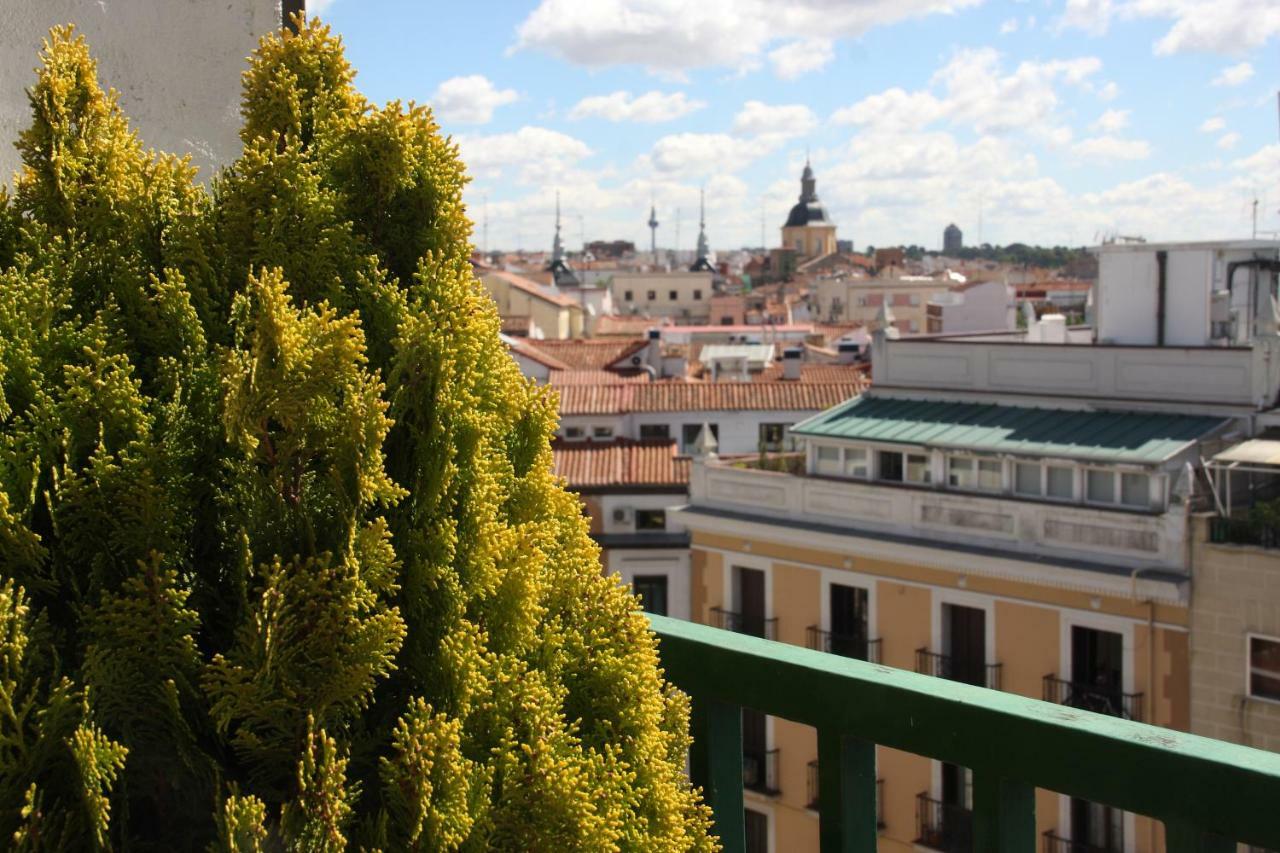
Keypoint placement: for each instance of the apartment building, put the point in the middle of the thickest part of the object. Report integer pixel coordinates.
(860, 300)
(628, 489)
(682, 296)
(1019, 512)
(533, 310)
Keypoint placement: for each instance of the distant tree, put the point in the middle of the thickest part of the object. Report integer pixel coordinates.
(285, 564)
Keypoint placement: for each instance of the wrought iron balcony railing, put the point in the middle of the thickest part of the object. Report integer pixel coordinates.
(1090, 697)
(760, 771)
(943, 826)
(1053, 843)
(1208, 793)
(814, 792)
(847, 645)
(958, 669)
(741, 623)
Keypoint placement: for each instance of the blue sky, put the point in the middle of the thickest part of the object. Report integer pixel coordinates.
(1045, 122)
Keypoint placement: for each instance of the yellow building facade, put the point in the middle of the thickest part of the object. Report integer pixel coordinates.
(1028, 632)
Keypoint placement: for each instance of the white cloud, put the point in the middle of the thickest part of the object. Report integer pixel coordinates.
(469, 100)
(316, 7)
(1108, 149)
(538, 153)
(973, 90)
(1222, 26)
(1009, 26)
(784, 120)
(893, 109)
(1092, 16)
(799, 57)
(675, 36)
(1213, 26)
(1234, 75)
(649, 108)
(1112, 121)
(695, 154)
(1228, 141)
(1212, 124)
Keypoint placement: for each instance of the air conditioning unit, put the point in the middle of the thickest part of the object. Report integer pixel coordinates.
(622, 515)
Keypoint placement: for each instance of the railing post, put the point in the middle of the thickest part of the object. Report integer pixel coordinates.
(846, 793)
(1180, 837)
(715, 761)
(1004, 814)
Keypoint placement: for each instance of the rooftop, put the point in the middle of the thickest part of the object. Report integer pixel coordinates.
(625, 398)
(1116, 437)
(591, 354)
(605, 466)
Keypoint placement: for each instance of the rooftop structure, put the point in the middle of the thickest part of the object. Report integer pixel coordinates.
(809, 230)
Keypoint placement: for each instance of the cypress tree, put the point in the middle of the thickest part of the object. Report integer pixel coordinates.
(284, 562)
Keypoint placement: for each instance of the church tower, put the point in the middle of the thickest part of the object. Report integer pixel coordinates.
(809, 230)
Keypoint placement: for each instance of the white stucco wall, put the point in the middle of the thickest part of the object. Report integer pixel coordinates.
(176, 65)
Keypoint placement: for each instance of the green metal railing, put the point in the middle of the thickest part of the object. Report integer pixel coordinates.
(1208, 793)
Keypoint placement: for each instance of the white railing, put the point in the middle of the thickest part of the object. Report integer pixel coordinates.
(1124, 539)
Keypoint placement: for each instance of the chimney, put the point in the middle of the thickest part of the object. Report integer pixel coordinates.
(847, 352)
(791, 360)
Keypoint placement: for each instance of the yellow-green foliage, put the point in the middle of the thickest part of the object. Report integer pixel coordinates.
(284, 564)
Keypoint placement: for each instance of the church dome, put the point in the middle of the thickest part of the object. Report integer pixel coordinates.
(808, 210)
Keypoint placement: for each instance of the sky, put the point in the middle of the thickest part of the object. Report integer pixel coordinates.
(1051, 122)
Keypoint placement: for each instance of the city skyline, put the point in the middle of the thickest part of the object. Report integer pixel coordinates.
(1049, 123)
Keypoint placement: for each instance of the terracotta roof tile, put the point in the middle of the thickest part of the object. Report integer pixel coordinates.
(592, 465)
(622, 398)
(533, 288)
(560, 378)
(590, 354)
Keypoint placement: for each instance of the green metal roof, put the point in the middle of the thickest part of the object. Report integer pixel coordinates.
(1129, 437)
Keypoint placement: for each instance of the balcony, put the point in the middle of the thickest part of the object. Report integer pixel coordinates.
(1053, 843)
(958, 669)
(760, 771)
(1243, 531)
(1208, 793)
(739, 623)
(845, 645)
(943, 826)
(814, 791)
(1089, 697)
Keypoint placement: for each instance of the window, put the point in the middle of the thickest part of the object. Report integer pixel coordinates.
(628, 296)
(651, 519)
(1027, 479)
(726, 321)
(697, 293)
(1100, 486)
(1060, 482)
(915, 300)
(1135, 490)
(918, 468)
(573, 432)
(962, 472)
(673, 295)
(653, 294)
(602, 432)
(652, 590)
(857, 462)
(828, 461)
(772, 436)
(655, 431)
(757, 831)
(967, 472)
(1264, 668)
(890, 466)
(689, 435)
